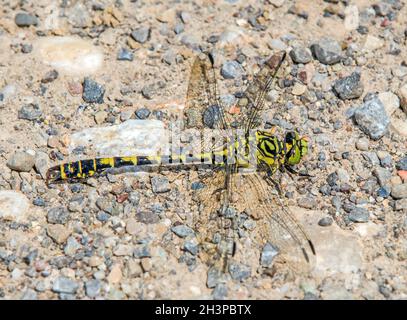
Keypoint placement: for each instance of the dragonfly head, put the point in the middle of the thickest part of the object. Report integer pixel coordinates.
(53, 175)
(296, 146)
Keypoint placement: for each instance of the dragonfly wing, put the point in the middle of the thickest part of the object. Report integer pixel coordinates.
(252, 102)
(203, 108)
(276, 223)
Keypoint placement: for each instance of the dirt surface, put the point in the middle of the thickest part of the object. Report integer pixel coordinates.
(68, 66)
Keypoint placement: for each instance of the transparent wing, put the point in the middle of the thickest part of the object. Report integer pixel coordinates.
(252, 195)
(276, 223)
(203, 108)
(252, 102)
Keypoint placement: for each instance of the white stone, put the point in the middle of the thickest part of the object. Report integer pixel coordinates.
(390, 101)
(337, 251)
(373, 43)
(14, 205)
(70, 55)
(8, 91)
(351, 18)
(298, 89)
(132, 137)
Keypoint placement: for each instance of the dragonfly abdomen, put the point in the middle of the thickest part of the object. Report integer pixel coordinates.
(82, 169)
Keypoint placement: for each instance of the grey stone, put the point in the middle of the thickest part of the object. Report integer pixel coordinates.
(50, 76)
(267, 255)
(92, 91)
(125, 55)
(372, 118)
(220, 292)
(142, 252)
(371, 157)
(147, 217)
(307, 202)
(191, 246)
(399, 191)
(72, 246)
(169, 57)
(349, 87)
(383, 176)
(358, 214)
(231, 70)
(402, 164)
(239, 272)
(325, 221)
(65, 285)
(160, 184)
(141, 35)
(182, 231)
(25, 20)
(58, 215)
(148, 91)
(134, 198)
(21, 161)
(93, 287)
(143, 113)
(214, 277)
(301, 55)
(105, 205)
(327, 51)
(30, 112)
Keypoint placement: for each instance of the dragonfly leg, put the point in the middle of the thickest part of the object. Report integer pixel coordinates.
(270, 179)
(291, 170)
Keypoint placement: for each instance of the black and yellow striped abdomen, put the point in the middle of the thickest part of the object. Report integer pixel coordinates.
(87, 168)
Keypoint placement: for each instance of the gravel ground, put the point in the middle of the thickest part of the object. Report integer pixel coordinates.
(67, 66)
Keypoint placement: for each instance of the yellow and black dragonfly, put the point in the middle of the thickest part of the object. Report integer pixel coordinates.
(243, 158)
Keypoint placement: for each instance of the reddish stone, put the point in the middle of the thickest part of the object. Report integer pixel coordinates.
(122, 197)
(402, 174)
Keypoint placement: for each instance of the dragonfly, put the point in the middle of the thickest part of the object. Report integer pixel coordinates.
(243, 158)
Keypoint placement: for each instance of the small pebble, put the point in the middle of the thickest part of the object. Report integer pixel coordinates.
(58, 215)
(50, 76)
(327, 51)
(92, 91)
(141, 35)
(125, 55)
(182, 231)
(402, 164)
(21, 161)
(30, 112)
(349, 87)
(25, 20)
(325, 221)
(160, 184)
(143, 113)
(358, 214)
(372, 118)
(399, 191)
(231, 70)
(93, 288)
(301, 55)
(268, 254)
(239, 272)
(26, 48)
(65, 285)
